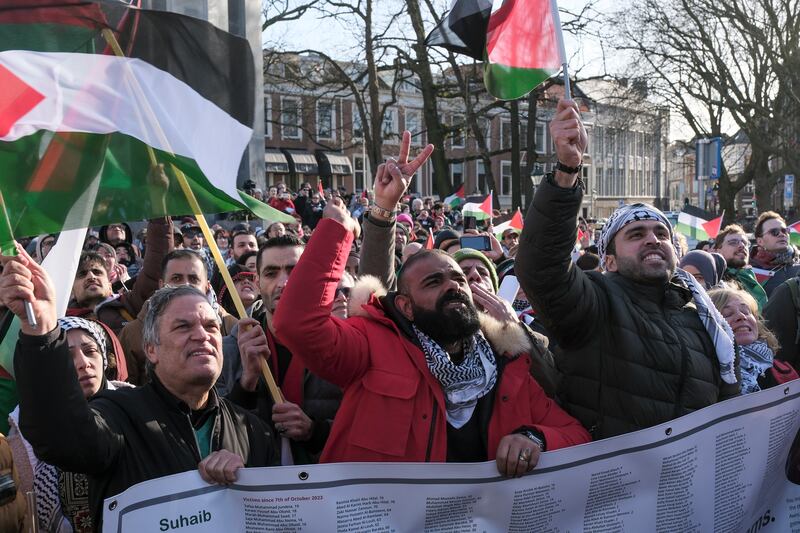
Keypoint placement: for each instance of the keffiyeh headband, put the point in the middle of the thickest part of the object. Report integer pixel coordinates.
(624, 216)
(92, 328)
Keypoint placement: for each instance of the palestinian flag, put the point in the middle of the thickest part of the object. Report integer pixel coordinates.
(429, 241)
(693, 221)
(763, 275)
(516, 222)
(522, 47)
(794, 233)
(480, 211)
(77, 121)
(457, 198)
(518, 41)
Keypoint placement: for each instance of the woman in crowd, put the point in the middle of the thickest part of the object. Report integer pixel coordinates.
(62, 498)
(756, 344)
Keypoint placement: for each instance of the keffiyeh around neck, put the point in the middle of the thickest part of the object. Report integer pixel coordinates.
(754, 359)
(716, 326)
(463, 384)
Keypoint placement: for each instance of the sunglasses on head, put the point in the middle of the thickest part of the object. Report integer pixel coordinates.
(344, 291)
(778, 231)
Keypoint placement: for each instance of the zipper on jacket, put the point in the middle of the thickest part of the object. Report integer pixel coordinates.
(432, 431)
(684, 371)
(196, 442)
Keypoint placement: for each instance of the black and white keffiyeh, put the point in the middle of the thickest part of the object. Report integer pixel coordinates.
(93, 328)
(463, 384)
(716, 326)
(754, 359)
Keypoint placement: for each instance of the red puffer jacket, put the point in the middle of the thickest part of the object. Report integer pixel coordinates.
(393, 407)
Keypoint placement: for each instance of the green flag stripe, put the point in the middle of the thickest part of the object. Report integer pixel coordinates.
(510, 83)
(123, 194)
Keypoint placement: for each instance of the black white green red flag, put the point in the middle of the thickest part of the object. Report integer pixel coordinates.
(77, 121)
(519, 41)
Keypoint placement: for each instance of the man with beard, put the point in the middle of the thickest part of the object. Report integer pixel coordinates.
(773, 252)
(421, 381)
(733, 245)
(639, 345)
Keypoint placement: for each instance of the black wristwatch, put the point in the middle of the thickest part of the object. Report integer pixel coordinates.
(568, 170)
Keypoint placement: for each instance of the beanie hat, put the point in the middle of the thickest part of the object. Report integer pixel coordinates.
(469, 253)
(405, 220)
(444, 237)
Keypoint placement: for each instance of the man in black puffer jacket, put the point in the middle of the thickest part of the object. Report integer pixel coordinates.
(639, 345)
(122, 437)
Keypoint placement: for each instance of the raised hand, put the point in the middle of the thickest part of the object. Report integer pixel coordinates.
(24, 280)
(394, 176)
(336, 210)
(569, 137)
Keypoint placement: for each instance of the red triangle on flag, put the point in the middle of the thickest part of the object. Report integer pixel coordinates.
(16, 99)
(516, 221)
(429, 242)
(795, 227)
(712, 227)
(320, 189)
(486, 206)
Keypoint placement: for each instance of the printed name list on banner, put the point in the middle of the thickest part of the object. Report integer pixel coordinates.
(734, 466)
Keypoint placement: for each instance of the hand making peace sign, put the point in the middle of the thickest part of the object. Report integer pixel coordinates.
(394, 176)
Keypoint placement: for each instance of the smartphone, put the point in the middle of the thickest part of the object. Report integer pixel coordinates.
(509, 289)
(470, 223)
(476, 242)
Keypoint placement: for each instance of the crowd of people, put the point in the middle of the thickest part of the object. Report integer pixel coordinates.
(389, 338)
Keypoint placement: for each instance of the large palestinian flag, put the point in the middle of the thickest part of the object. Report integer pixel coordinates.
(521, 48)
(77, 120)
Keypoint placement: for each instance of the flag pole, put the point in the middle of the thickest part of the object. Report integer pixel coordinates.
(7, 220)
(561, 48)
(275, 392)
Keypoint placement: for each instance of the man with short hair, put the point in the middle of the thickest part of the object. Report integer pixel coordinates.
(639, 345)
(179, 267)
(732, 243)
(773, 251)
(311, 403)
(421, 381)
(510, 241)
(243, 241)
(174, 424)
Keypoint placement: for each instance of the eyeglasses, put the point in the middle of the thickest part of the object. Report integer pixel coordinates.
(344, 291)
(778, 231)
(736, 242)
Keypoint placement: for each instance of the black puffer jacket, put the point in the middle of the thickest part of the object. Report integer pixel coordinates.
(632, 355)
(122, 437)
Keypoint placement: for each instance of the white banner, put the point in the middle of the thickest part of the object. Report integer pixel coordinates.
(720, 469)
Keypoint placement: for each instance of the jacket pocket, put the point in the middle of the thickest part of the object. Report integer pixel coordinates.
(385, 411)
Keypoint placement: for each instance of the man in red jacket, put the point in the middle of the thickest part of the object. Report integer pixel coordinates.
(424, 377)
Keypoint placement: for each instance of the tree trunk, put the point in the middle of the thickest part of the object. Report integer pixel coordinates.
(441, 176)
(373, 132)
(533, 156)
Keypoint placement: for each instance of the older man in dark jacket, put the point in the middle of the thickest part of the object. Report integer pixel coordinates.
(174, 424)
(638, 346)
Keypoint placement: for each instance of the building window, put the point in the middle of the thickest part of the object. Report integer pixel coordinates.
(325, 120)
(268, 117)
(541, 138)
(505, 134)
(505, 178)
(358, 130)
(414, 125)
(457, 122)
(457, 173)
(486, 127)
(359, 172)
(390, 123)
(480, 172)
(290, 118)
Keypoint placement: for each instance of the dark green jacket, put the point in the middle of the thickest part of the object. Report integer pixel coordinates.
(632, 356)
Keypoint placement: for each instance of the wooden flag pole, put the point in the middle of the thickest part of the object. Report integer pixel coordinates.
(275, 392)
